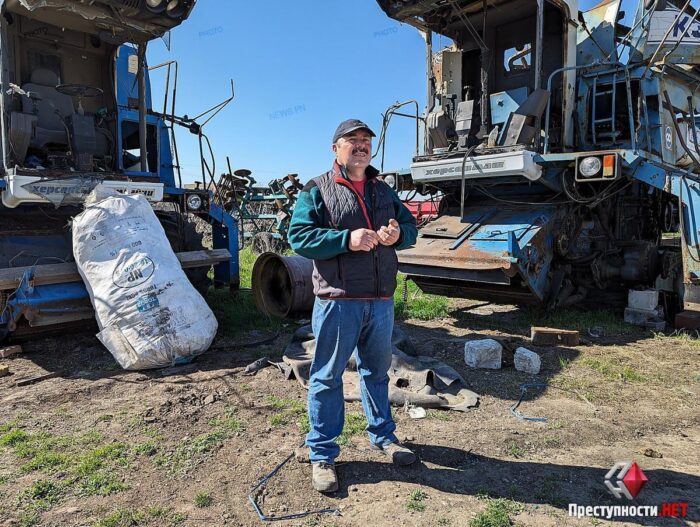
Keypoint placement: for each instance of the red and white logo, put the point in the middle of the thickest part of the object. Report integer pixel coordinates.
(630, 479)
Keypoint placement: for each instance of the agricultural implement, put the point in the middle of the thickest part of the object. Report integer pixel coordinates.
(76, 111)
(564, 148)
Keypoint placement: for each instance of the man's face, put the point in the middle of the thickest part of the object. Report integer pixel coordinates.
(354, 150)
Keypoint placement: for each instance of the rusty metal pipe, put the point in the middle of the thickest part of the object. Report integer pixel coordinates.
(282, 285)
(141, 78)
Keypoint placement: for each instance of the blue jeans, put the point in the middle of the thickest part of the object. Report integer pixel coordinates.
(340, 327)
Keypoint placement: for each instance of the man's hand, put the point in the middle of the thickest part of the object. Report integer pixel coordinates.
(363, 240)
(389, 235)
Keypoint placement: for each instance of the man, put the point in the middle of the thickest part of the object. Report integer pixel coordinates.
(351, 224)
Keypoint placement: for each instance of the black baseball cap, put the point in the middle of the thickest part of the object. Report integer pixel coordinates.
(350, 125)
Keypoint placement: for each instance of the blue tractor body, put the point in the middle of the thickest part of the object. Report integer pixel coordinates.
(563, 148)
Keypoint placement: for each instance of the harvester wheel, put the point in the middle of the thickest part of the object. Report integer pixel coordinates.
(183, 236)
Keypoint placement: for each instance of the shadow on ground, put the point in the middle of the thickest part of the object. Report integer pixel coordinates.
(461, 472)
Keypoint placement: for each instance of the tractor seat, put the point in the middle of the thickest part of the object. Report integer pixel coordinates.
(49, 126)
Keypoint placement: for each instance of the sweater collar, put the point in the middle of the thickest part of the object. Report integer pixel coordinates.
(340, 171)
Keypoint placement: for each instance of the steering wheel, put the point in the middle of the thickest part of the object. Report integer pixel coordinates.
(79, 90)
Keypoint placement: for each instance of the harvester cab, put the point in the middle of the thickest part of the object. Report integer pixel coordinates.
(562, 146)
(77, 111)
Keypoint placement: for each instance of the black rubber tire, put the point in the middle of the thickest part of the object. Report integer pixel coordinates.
(183, 236)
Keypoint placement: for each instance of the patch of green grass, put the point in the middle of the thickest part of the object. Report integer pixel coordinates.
(515, 451)
(303, 424)
(612, 370)
(149, 448)
(497, 513)
(130, 517)
(101, 484)
(355, 423)
(548, 492)
(563, 362)
(76, 463)
(418, 305)
(287, 409)
(13, 437)
(237, 312)
(439, 415)
(688, 338)
(126, 517)
(278, 419)
(203, 499)
(28, 519)
(42, 494)
(416, 501)
(178, 519)
(188, 452)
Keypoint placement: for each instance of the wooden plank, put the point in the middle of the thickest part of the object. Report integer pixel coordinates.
(554, 336)
(62, 273)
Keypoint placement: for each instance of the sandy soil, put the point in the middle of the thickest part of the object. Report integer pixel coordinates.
(206, 428)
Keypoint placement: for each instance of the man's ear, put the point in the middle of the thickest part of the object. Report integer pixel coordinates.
(334, 147)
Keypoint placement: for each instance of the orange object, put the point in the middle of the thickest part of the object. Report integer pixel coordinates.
(609, 166)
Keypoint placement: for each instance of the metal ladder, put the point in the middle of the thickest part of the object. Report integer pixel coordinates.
(594, 114)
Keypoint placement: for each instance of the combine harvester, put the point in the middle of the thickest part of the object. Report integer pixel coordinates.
(76, 111)
(564, 147)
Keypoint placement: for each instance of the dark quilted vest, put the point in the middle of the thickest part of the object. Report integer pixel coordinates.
(356, 274)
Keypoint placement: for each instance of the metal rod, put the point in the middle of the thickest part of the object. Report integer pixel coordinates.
(538, 43)
(430, 95)
(141, 77)
(485, 60)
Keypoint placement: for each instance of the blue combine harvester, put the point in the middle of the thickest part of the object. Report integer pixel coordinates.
(563, 146)
(76, 111)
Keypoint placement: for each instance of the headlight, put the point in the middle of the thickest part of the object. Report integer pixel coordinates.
(390, 180)
(156, 5)
(194, 202)
(589, 166)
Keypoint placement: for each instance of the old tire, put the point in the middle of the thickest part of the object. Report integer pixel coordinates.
(183, 236)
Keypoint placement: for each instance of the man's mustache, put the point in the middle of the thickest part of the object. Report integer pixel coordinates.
(360, 150)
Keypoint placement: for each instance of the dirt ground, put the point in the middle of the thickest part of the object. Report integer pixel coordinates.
(184, 446)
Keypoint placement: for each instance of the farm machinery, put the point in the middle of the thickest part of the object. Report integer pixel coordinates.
(77, 111)
(563, 146)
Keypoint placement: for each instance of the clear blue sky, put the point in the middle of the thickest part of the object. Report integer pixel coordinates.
(299, 69)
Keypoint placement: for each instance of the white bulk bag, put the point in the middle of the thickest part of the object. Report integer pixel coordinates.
(148, 312)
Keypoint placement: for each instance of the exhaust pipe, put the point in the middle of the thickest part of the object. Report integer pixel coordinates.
(282, 285)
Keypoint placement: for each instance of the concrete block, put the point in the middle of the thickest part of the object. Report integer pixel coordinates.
(640, 317)
(527, 361)
(4, 370)
(645, 300)
(10, 350)
(486, 353)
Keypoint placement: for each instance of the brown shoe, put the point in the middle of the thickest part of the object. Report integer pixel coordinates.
(324, 477)
(399, 454)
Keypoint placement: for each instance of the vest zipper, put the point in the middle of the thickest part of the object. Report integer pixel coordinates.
(375, 251)
(361, 201)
